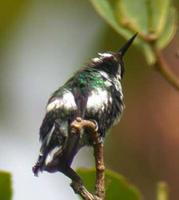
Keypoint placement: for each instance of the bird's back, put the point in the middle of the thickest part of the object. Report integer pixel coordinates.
(98, 96)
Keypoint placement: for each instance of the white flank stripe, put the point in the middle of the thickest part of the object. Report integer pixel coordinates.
(67, 101)
(97, 99)
(54, 104)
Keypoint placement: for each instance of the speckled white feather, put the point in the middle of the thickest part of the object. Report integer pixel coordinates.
(67, 101)
(97, 99)
(51, 154)
(54, 104)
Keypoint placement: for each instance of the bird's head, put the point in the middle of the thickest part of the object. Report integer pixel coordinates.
(112, 62)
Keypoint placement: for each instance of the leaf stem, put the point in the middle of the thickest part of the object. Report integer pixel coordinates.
(164, 68)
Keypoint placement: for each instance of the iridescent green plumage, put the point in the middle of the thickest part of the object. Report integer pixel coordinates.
(91, 78)
(88, 78)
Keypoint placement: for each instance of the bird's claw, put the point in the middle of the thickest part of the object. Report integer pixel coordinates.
(96, 125)
(76, 126)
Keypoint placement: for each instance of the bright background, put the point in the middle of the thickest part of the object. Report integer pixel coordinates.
(42, 42)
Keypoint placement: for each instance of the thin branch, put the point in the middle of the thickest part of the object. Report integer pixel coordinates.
(76, 127)
(165, 70)
(100, 168)
(149, 37)
(83, 192)
(100, 175)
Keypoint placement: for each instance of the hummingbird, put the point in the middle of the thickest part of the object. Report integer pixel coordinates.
(92, 93)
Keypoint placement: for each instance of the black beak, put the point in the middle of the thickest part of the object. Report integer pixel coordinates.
(125, 47)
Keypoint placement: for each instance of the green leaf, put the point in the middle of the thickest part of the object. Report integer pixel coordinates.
(159, 12)
(132, 15)
(147, 17)
(107, 11)
(5, 186)
(104, 8)
(128, 15)
(148, 53)
(162, 191)
(117, 186)
(169, 29)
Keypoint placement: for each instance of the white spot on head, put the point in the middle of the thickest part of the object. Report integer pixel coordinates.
(95, 59)
(107, 55)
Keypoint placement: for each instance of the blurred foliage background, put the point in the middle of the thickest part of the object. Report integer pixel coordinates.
(42, 42)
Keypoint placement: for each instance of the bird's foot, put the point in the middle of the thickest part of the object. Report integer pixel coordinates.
(76, 125)
(96, 125)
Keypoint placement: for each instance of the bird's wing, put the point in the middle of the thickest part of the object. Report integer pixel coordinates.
(47, 124)
(52, 145)
(54, 128)
(60, 106)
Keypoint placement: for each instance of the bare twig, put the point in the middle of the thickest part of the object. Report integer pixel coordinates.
(76, 127)
(100, 168)
(83, 192)
(100, 176)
